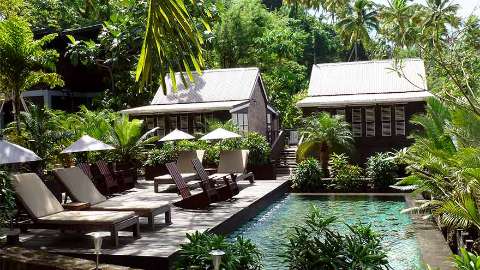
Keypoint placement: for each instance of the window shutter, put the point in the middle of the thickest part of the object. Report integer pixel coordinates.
(161, 126)
(370, 122)
(400, 120)
(357, 122)
(386, 121)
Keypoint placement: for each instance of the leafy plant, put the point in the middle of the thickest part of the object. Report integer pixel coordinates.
(160, 156)
(7, 198)
(240, 254)
(382, 170)
(314, 244)
(259, 148)
(466, 260)
(345, 176)
(323, 135)
(308, 176)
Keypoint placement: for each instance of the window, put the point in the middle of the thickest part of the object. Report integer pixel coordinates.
(161, 126)
(241, 120)
(370, 122)
(150, 122)
(400, 120)
(386, 121)
(197, 123)
(172, 121)
(340, 112)
(184, 123)
(357, 122)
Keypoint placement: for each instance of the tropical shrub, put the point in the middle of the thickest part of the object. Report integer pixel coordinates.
(7, 198)
(466, 260)
(323, 135)
(160, 156)
(381, 169)
(315, 244)
(239, 254)
(259, 148)
(346, 176)
(308, 176)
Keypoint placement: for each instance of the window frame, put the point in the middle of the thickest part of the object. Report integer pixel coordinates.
(357, 126)
(370, 122)
(400, 120)
(386, 119)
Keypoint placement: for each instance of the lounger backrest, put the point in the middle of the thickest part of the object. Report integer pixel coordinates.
(233, 161)
(107, 175)
(79, 186)
(179, 181)
(184, 160)
(37, 199)
(86, 168)
(200, 170)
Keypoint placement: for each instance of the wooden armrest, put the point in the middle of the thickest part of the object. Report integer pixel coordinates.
(76, 206)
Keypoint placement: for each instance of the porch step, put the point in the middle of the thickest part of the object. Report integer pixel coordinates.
(287, 162)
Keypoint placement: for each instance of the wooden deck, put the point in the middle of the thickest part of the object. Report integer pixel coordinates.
(156, 249)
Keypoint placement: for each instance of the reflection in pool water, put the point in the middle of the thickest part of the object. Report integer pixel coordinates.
(269, 228)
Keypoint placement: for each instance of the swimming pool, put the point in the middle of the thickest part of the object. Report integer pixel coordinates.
(269, 228)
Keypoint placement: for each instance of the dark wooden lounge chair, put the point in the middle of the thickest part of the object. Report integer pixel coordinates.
(87, 170)
(114, 181)
(196, 201)
(225, 191)
(81, 189)
(46, 212)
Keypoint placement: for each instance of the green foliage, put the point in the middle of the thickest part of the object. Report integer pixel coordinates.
(324, 134)
(345, 176)
(381, 169)
(7, 198)
(308, 176)
(241, 254)
(259, 148)
(314, 244)
(160, 156)
(466, 260)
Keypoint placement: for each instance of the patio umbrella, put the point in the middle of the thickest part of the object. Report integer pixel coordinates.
(12, 153)
(176, 135)
(220, 134)
(87, 144)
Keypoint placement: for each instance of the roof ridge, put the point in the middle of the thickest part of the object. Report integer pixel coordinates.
(365, 62)
(223, 70)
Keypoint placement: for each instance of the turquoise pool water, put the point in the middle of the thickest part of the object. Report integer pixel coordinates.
(269, 228)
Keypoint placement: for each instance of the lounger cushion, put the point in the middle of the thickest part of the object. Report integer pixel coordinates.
(87, 217)
(136, 206)
(167, 178)
(35, 196)
(240, 176)
(79, 186)
(233, 161)
(184, 160)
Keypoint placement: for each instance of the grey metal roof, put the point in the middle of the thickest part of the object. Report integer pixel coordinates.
(368, 77)
(183, 108)
(217, 85)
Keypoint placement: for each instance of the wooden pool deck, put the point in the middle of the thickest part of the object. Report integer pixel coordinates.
(155, 249)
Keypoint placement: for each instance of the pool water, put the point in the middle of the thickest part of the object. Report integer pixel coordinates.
(268, 230)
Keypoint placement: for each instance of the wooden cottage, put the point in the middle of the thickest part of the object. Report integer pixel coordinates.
(377, 98)
(221, 94)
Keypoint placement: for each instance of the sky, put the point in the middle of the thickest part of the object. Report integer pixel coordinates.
(466, 6)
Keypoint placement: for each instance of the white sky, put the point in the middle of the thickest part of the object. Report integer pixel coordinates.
(467, 7)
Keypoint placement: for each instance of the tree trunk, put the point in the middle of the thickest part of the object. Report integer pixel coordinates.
(324, 157)
(16, 109)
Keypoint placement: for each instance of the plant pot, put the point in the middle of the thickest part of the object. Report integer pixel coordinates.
(263, 172)
(153, 171)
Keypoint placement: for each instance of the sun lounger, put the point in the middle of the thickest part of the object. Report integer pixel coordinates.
(233, 163)
(196, 201)
(81, 189)
(225, 190)
(47, 213)
(185, 167)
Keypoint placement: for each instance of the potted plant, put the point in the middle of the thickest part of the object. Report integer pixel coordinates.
(259, 156)
(156, 160)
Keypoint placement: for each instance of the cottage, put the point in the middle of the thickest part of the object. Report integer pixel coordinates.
(377, 98)
(221, 94)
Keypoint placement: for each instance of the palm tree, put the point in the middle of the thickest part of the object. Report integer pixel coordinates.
(325, 134)
(397, 20)
(23, 60)
(172, 42)
(356, 27)
(437, 16)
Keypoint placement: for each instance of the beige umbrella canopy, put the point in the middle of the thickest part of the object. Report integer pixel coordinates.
(12, 153)
(87, 144)
(176, 135)
(220, 134)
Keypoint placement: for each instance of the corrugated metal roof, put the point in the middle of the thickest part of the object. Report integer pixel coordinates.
(368, 77)
(183, 108)
(212, 86)
(363, 99)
